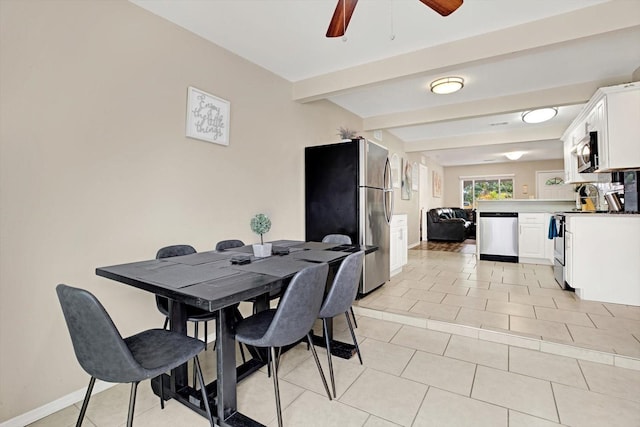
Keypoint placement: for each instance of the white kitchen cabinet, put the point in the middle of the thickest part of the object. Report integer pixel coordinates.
(534, 246)
(601, 257)
(398, 243)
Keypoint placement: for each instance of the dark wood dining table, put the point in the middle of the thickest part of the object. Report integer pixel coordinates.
(209, 280)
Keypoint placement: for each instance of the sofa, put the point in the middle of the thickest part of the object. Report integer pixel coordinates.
(451, 224)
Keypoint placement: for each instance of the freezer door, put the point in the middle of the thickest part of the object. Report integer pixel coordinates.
(375, 231)
(374, 159)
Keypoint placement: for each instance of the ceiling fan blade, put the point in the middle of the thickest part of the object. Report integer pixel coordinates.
(443, 7)
(341, 17)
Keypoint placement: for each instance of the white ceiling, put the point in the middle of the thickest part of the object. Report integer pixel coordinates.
(513, 55)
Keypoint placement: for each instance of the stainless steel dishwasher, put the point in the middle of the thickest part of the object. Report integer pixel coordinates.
(499, 236)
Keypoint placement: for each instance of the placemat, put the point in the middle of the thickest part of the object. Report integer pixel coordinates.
(201, 258)
(274, 266)
(183, 275)
(316, 245)
(286, 242)
(318, 256)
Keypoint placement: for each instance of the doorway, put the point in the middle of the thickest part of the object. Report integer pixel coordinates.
(550, 185)
(423, 200)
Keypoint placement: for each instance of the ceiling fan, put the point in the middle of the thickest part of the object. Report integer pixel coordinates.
(344, 10)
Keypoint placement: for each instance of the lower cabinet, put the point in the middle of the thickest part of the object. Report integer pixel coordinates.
(398, 243)
(534, 246)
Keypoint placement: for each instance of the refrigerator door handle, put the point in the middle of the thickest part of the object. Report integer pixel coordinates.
(388, 179)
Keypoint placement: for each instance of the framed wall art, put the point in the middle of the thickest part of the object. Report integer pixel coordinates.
(437, 184)
(415, 178)
(207, 117)
(406, 180)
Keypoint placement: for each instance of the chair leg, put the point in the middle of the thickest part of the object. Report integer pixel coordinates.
(161, 391)
(132, 403)
(206, 333)
(315, 357)
(276, 388)
(269, 363)
(328, 344)
(195, 335)
(244, 358)
(353, 336)
(203, 389)
(355, 324)
(166, 323)
(85, 402)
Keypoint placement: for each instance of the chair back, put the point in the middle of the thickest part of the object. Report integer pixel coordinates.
(228, 244)
(341, 239)
(343, 291)
(98, 345)
(298, 308)
(167, 252)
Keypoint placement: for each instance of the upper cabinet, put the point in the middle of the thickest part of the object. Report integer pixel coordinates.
(614, 114)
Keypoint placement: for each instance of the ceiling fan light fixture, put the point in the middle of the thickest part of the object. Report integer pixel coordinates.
(539, 115)
(514, 155)
(447, 85)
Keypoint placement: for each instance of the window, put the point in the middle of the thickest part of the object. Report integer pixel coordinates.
(485, 188)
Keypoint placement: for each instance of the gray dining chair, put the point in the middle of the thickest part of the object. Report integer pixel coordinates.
(289, 323)
(339, 299)
(341, 239)
(228, 244)
(105, 355)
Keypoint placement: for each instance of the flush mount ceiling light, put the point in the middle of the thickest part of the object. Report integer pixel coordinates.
(447, 85)
(514, 155)
(540, 115)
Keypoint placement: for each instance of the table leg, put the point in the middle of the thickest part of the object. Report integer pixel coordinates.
(226, 363)
(178, 323)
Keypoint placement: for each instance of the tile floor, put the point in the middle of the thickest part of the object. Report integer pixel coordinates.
(414, 375)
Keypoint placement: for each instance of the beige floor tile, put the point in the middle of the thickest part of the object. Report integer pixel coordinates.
(513, 308)
(543, 328)
(311, 409)
(396, 291)
(388, 301)
(525, 394)
(548, 283)
(450, 289)
(174, 414)
(536, 300)
(256, 398)
(517, 279)
(415, 274)
(564, 316)
(110, 407)
(306, 374)
(425, 295)
(478, 351)
(376, 329)
(479, 284)
(619, 341)
(625, 311)
(291, 359)
(616, 323)
(611, 380)
(582, 306)
(385, 357)
(421, 339)
(66, 417)
(518, 419)
(479, 318)
(488, 294)
(589, 409)
(442, 408)
(465, 301)
(444, 280)
(476, 274)
(374, 421)
(435, 311)
(517, 289)
(550, 367)
(442, 372)
(552, 292)
(397, 400)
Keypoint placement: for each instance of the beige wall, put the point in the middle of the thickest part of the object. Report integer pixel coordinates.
(96, 169)
(525, 174)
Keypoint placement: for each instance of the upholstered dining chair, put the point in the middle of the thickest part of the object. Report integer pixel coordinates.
(341, 239)
(228, 244)
(105, 355)
(339, 299)
(289, 323)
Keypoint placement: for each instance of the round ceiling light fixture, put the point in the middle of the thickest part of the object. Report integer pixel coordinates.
(540, 115)
(447, 85)
(514, 155)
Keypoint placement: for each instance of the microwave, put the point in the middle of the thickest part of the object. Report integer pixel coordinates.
(587, 153)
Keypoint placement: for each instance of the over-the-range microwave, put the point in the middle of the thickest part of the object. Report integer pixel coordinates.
(587, 153)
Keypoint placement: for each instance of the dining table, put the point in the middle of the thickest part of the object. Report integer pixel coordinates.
(217, 281)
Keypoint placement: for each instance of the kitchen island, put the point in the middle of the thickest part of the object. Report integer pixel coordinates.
(528, 241)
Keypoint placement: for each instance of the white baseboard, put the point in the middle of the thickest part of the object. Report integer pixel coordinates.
(55, 406)
(413, 245)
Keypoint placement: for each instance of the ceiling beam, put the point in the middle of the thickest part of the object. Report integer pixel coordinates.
(552, 97)
(595, 20)
(521, 135)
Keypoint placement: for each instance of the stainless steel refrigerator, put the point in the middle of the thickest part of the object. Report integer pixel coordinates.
(348, 190)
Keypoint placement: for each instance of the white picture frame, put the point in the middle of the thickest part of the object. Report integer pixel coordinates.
(208, 117)
(415, 177)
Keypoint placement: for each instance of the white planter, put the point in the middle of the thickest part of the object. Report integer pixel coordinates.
(261, 251)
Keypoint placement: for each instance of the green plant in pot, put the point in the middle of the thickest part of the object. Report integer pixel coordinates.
(261, 224)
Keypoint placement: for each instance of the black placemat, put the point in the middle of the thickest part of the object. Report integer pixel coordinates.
(318, 256)
(286, 242)
(201, 258)
(316, 245)
(275, 266)
(183, 275)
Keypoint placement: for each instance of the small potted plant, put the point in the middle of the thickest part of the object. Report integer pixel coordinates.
(346, 134)
(261, 224)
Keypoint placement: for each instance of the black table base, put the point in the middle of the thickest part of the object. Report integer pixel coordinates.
(338, 348)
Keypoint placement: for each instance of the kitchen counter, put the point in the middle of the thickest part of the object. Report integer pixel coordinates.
(525, 205)
(607, 214)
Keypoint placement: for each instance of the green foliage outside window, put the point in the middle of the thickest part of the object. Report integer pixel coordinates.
(486, 189)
